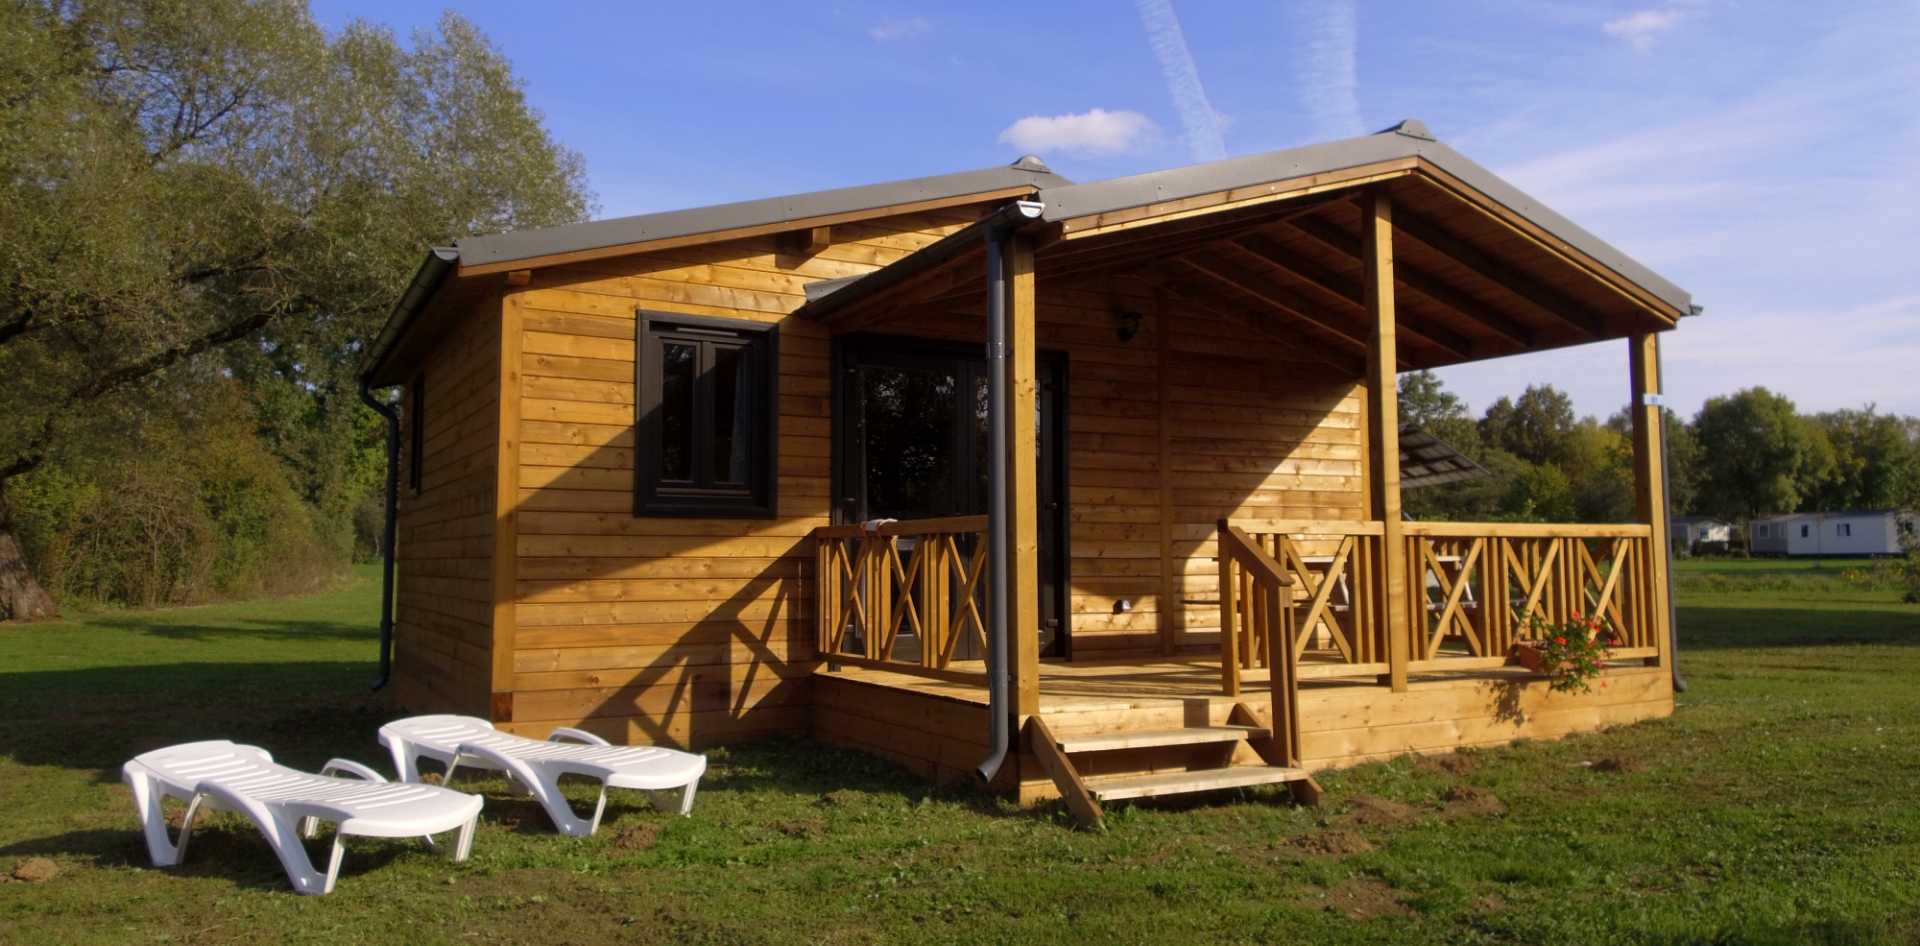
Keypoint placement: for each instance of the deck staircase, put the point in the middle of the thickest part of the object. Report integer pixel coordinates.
(1182, 761)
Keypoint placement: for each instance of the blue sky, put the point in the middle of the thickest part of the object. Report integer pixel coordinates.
(1764, 155)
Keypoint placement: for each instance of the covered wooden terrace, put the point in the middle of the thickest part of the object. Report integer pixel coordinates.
(1405, 263)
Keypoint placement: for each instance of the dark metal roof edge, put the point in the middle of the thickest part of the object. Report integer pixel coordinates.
(599, 234)
(426, 280)
(1408, 139)
(919, 261)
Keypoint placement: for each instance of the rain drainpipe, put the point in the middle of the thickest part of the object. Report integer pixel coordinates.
(388, 530)
(1666, 523)
(998, 228)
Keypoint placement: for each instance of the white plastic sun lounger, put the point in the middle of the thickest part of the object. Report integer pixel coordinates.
(288, 804)
(535, 766)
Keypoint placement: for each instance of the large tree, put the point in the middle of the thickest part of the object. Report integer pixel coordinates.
(1758, 456)
(1537, 428)
(184, 177)
(1876, 463)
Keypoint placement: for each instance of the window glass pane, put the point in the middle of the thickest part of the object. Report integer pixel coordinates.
(732, 427)
(908, 415)
(677, 364)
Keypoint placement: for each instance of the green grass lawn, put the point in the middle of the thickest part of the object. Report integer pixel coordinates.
(1778, 805)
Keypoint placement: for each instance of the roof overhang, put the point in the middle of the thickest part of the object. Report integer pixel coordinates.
(1482, 270)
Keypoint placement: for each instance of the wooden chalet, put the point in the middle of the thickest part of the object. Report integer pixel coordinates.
(717, 474)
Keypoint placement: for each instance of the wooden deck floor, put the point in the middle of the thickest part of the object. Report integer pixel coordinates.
(939, 729)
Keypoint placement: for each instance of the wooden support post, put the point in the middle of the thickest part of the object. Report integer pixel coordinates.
(1383, 427)
(1024, 503)
(1229, 623)
(1167, 610)
(506, 505)
(1649, 479)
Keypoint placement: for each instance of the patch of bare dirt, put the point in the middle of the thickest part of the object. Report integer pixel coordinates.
(1621, 765)
(1334, 842)
(1374, 811)
(1360, 898)
(637, 837)
(806, 829)
(841, 798)
(33, 870)
(1487, 903)
(1450, 764)
(1466, 801)
(518, 815)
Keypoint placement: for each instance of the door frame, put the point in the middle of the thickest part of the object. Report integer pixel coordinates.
(1050, 369)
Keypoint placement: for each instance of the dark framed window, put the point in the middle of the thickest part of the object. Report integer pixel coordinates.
(706, 410)
(416, 430)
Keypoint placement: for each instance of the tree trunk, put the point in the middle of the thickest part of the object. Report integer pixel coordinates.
(20, 593)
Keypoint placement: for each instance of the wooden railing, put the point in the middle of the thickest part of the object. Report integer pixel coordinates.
(906, 596)
(1256, 629)
(1473, 589)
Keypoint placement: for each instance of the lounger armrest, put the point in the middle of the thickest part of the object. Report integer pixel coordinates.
(568, 732)
(350, 767)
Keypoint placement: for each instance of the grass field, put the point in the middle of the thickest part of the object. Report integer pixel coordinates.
(1778, 805)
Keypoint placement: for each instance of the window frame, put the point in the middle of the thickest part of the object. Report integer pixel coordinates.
(654, 497)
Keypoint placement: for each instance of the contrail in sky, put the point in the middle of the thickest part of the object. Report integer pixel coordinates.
(1183, 80)
(1327, 73)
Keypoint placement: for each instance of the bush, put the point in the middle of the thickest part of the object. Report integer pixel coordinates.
(170, 520)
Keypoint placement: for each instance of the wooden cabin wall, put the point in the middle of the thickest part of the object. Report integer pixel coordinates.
(681, 632)
(1195, 419)
(443, 631)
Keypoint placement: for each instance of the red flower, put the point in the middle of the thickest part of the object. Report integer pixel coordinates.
(1560, 640)
(1576, 615)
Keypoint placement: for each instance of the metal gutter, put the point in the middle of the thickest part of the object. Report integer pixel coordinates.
(433, 270)
(831, 295)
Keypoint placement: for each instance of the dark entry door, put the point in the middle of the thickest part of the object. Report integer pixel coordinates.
(911, 443)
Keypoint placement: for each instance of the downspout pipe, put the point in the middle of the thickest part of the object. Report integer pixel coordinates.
(388, 532)
(1666, 526)
(998, 228)
(439, 262)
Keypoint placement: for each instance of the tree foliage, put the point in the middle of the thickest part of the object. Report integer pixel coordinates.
(1759, 456)
(1744, 455)
(207, 209)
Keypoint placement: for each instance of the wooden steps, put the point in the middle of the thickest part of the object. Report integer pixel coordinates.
(1106, 742)
(1179, 783)
(1083, 795)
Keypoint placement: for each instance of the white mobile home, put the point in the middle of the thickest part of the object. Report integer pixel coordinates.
(1701, 530)
(1857, 532)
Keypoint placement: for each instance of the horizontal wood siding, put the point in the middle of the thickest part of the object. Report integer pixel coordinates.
(444, 631)
(681, 632)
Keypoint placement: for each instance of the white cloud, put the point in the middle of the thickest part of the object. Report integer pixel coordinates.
(1097, 132)
(1183, 79)
(900, 29)
(1642, 28)
(1327, 72)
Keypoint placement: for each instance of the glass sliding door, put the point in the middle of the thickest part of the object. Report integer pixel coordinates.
(910, 442)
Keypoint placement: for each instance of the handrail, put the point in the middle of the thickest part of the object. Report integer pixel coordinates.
(1256, 592)
(897, 527)
(904, 607)
(1474, 588)
(1527, 530)
(1252, 557)
(1492, 530)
